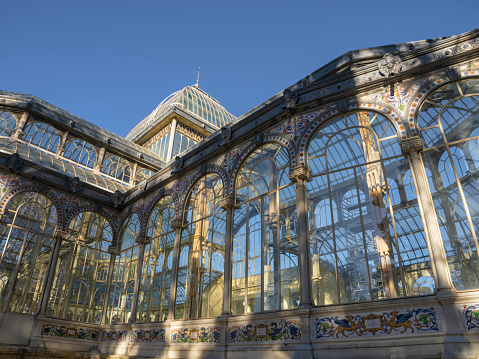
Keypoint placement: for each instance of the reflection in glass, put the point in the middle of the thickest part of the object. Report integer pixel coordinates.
(200, 282)
(265, 245)
(451, 157)
(26, 228)
(360, 215)
(79, 287)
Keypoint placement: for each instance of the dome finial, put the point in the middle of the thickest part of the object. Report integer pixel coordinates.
(198, 79)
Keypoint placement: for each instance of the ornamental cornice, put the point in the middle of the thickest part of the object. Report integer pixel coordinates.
(299, 173)
(176, 223)
(412, 144)
(227, 202)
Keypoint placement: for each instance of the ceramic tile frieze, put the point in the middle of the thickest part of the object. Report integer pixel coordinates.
(196, 335)
(265, 331)
(114, 336)
(403, 321)
(148, 336)
(296, 125)
(227, 160)
(69, 332)
(471, 313)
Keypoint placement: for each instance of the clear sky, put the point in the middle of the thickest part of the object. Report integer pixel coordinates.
(113, 62)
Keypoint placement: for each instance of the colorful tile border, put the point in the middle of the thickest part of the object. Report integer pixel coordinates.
(471, 312)
(114, 336)
(196, 335)
(395, 322)
(70, 332)
(265, 331)
(148, 336)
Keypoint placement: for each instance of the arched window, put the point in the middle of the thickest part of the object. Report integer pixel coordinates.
(199, 285)
(357, 250)
(116, 167)
(124, 275)
(81, 152)
(265, 244)
(154, 292)
(80, 280)
(42, 135)
(26, 228)
(448, 122)
(7, 123)
(143, 175)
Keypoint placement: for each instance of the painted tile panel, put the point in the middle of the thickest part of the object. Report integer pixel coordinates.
(196, 335)
(70, 332)
(471, 312)
(404, 321)
(265, 331)
(114, 336)
(148, 336)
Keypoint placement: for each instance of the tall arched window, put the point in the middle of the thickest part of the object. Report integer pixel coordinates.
(26, 229)
(368, 242)
(155, 283)
(79, 287)
(265, 244)
(116, 167)
(199, 291)
(81, 152)
(42, 135)
(7, 123)
(124, 274)
(448, 121)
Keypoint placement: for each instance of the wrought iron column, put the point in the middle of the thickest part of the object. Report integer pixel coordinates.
(139, 265)
(299, 175)
(113, 252)
(59, 236)
(176, 224)
(411, 147)
(227, 204)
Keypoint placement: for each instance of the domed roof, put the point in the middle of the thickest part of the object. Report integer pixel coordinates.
(190, 99)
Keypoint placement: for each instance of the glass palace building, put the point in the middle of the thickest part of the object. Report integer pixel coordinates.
(339, 218)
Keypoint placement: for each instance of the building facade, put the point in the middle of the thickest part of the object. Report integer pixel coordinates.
(339, 218)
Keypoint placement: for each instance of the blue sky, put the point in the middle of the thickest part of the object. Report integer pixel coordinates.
(112, 62)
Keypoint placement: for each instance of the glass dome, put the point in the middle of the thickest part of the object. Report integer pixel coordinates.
(191, 99)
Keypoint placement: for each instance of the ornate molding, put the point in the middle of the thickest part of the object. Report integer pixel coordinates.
(412, 144)
(14, 161)
(113, 250)
(185, 130)
(227, 202)
(290, 99)
(390, 65)
(226, 135)
(59, 234)
(298, 173)
(75, 184)
(176, 223)
(178, 164)
(117, 198)
(157, 136)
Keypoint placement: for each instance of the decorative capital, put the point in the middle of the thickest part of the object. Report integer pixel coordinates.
(142, 239)
(177, 223)
(75, 184)
(225, 135)
(178, 164)
(60, 234)
(14, 161)
(412, 144)
(299, 173)
(227, 202)
(390, 65)
(117, 198)
(290, 99)
(113, 250)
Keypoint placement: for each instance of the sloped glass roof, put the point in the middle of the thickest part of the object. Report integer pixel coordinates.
(190, 99)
